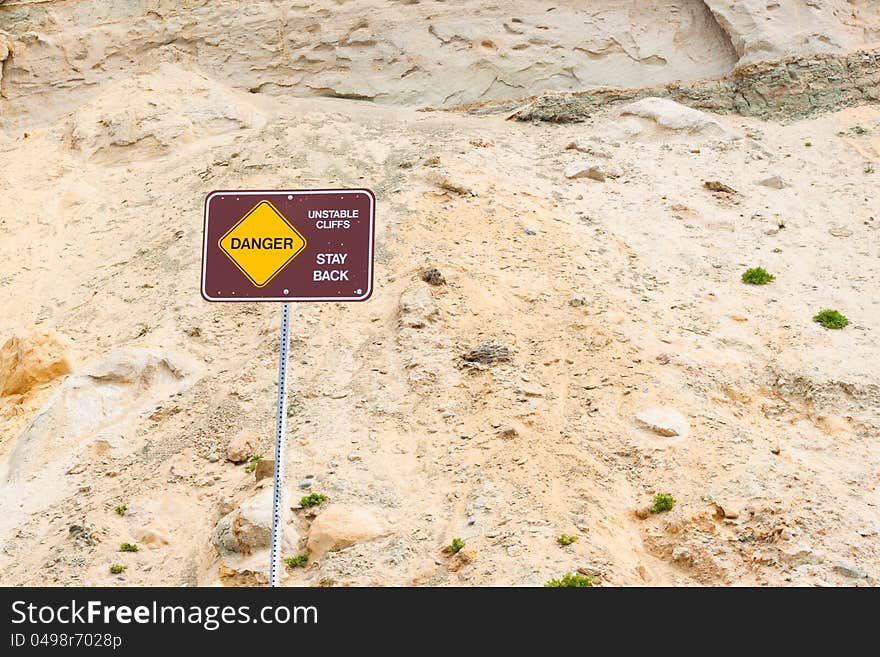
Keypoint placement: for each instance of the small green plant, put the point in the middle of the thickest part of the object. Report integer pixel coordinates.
(117, 568)
(566, 539)
(312, 499)
(777, 250)
(831, 319)
(570, 581)
(252, 464)
(128, 547)
(454, 547)
(299, 561)
(808, 144)
(662, 502)
(757, 276)
(121, 509)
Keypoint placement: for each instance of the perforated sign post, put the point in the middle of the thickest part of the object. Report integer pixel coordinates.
(287, 245)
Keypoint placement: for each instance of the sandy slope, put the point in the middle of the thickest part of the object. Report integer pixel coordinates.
(101, 215)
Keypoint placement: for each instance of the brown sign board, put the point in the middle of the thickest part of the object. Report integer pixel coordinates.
(288, 245)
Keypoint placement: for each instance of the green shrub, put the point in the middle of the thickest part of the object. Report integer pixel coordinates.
(757, 276)
(566, 539)
(808, 144)
(128, 547)
(312, 499)
(252, 464)
(662, 502)
(454, 547)
(299, 561)
(571, 581)
(117, 568)
(831, 319)
(121, 509)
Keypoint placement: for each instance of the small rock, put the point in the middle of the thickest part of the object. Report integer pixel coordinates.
(265, 469)
(529, 231)
(587, 148)
(242, 446)
(664, 421)
(591, 171)
(849, 570)
(774, 182)
(487, 353)
(775, 449)
(432, 276)
(213, 457)
(305, 484)
(577, 301)
(508, 431)
(726, 510)
(717, 186)
(464, 557)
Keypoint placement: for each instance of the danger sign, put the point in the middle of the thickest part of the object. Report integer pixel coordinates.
(297, 245)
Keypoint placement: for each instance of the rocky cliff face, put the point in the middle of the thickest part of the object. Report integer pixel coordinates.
(416, 53)
(560, 329)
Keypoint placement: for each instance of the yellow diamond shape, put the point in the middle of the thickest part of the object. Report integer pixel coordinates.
(262, 243)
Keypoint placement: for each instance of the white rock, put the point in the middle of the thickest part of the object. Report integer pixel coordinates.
(664, 115)
(664, 421)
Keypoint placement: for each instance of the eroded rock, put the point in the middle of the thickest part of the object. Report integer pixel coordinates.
(31, 359)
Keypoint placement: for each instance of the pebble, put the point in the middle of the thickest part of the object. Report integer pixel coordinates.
(529, 231)
(310, 476)
(213, 457)
(305, 484)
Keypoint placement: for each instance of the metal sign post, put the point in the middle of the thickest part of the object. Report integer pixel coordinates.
(280, 434)
(287, 245)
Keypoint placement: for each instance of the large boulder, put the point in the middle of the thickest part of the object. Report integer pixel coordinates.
(29, 360)
(96, 403)
(662, 116)
(243, 538)
(248, 529)
(340, 526)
